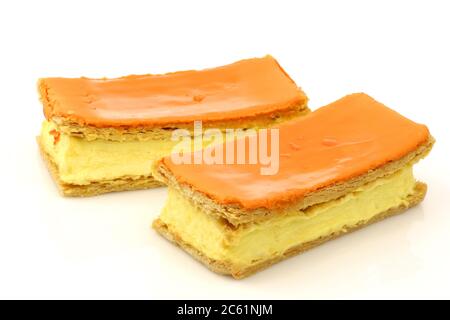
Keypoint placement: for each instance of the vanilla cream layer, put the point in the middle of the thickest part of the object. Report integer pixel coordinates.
(254, 242)
(81, 162)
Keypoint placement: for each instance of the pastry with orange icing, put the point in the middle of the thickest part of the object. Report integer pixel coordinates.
(342, 167)
(103, 135)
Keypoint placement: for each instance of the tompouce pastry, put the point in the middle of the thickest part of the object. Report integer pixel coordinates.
(102, 135)
(342, 167)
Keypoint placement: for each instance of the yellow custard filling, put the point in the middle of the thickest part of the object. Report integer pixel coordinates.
(253, 242)
(80, 161)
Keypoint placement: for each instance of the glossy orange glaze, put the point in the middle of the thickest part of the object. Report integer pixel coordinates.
(337, 142)
(239, 90)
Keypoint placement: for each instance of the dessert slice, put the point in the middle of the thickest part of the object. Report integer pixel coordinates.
(102, 135)
(342, 167)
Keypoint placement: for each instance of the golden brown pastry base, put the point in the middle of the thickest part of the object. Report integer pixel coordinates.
(224, 267)
(90, 133)
(237, 215)
(97, 187)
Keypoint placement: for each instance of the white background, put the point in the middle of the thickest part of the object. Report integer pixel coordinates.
(103, 247)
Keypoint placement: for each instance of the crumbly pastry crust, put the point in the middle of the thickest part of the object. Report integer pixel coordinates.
(236, 215)
(72, 128)
(226, 268)
(97, 187)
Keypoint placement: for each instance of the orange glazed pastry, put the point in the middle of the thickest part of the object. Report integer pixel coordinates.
(103, 135)
(342, 167)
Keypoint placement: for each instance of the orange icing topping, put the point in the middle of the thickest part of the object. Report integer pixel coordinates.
(337, 142)
(243, 89)
(56, 136)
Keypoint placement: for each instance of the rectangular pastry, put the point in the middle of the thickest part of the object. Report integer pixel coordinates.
(103, 135)
(342, 167)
